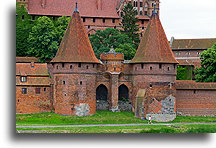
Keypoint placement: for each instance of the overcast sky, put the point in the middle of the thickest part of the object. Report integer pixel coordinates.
(188, 18)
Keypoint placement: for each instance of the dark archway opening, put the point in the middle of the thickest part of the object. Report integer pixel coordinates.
(123, 98)
(102, 98)
(123, 93)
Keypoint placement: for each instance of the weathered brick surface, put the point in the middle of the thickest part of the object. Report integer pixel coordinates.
(32, 102)
(196, 102)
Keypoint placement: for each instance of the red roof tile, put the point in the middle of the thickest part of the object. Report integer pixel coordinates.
(26, 69)
(154, 46)
(75, 45)
(88, 8)
(189, 84)
(193, 43)
(26, 59)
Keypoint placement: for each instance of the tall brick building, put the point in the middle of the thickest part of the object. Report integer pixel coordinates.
(95, 14)
(79, 83)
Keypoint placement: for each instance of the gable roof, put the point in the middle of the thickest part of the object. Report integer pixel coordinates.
(154, 46)
(75, 45)
(178, 44)
(88, 8)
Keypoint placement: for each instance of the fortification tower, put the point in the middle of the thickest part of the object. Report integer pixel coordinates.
(74, 72)
(112, 68)
(154, 66)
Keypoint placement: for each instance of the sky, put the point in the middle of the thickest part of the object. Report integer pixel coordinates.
(185, 19)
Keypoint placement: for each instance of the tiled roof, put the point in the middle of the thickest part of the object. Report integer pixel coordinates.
(154, 46)
(26, 59)
(189, 84)
(88, 8)
(193, 43)
(26, 69)
(75, 45)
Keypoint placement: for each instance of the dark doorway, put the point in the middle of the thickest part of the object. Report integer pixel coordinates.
(101, 97)
(123, 98)
(123, 93)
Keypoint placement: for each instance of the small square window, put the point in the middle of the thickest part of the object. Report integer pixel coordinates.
(24, 90)
(37, 90)
(23, 79)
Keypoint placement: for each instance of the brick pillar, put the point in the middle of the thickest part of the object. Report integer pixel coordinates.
(114, 92)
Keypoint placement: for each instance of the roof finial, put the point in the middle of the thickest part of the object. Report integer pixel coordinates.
(154, 11)
(76, 8)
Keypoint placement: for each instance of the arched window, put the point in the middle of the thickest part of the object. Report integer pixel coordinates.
(101, 92)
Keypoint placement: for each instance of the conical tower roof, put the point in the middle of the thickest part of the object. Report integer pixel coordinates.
(75, 45)
(154, 46)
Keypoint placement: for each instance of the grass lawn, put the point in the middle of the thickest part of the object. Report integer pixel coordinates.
(101, 117)
(125, 129)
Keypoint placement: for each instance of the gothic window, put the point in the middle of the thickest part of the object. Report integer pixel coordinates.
(141, 13)
(80, 82)
(168, 68)
(64, 82)
(150, 68)
(141, 4)
(71, 66)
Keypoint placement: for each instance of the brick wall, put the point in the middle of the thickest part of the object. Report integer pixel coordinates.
(32, 102)
(196, 102)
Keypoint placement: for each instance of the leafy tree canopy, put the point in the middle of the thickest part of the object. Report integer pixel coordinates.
(23, 27)
(127, 49)
(43, 39)
(207, 71)
(129, 23)
(103, 40)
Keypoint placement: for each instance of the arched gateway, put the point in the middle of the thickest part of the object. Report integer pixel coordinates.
(123, 98)
(102, 97)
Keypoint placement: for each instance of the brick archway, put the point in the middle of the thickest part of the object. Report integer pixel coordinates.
(102, 98)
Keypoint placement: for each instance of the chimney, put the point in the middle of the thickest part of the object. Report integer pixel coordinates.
(43, 3)
(99, 4)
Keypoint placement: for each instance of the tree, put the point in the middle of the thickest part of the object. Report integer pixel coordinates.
(129, 23)
(207, 71)
(103, 40)
(23, 27)
(43, 41)
(181, 73)
(127, 49)
(61, 26)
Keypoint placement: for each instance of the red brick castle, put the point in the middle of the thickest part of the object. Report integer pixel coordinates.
(76, 83)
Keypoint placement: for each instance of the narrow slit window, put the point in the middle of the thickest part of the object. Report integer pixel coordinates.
(24, 90)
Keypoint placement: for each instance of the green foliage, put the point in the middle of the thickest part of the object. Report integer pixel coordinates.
(127, 49)
(43, 39)
(103, 40)
(184, 73)
(61, 26)
(207, 71)
(23, 27)
(129, 23)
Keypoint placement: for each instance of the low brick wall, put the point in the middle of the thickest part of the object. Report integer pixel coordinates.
(196, 102)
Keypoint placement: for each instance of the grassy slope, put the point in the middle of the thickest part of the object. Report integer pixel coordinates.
(102, 117)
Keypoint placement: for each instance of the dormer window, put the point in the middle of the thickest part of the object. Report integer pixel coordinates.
(23, 79)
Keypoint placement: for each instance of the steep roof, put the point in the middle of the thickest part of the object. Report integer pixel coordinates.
(189, 84)
(193, 43)
(154, 46)
(75, 45)
(90, 8)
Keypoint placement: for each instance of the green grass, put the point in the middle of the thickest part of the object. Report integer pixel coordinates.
(125, 129)
(101, 117)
